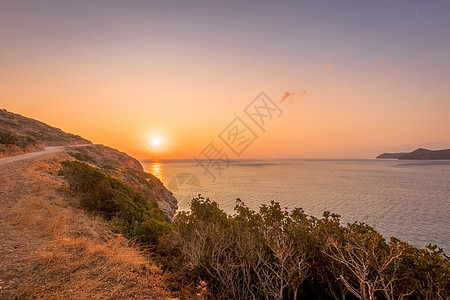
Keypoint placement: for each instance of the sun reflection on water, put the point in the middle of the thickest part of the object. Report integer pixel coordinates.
(157, 170)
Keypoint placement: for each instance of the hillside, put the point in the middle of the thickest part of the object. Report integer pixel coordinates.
(55, 246)
(20, 134)
(51, 248)
(129, 170)
(419, 153)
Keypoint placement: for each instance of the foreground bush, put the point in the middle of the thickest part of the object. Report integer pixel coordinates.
(277, 254)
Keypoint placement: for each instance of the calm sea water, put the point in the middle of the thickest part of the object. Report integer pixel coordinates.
(406, 199)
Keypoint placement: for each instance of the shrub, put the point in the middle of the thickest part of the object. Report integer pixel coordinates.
(9, 138)
(13, 139)
(247, 255)
(278, 254)
(82, 156)
(130, 212)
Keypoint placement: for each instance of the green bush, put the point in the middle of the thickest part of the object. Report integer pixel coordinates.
(13, 139)
(82, 156)
(130, 212)
(9, 138)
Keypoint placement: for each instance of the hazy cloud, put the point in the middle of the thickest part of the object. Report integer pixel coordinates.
(286, 95)
(293, 96)
(328, 66)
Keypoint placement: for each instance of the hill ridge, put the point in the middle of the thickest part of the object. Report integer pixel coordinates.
(419, 153)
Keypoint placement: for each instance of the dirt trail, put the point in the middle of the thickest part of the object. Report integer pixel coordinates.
(16, 247)
(46, 150)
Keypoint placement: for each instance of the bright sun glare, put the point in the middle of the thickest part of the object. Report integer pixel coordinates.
(156, 141)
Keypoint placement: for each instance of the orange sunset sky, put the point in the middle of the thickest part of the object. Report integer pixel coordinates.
(369, 77)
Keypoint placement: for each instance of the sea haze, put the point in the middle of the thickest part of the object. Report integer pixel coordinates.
(406, 199)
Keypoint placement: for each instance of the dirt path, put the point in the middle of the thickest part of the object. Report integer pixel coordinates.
(16, 247)
(46, 150)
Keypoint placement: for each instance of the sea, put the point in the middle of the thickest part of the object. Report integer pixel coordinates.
(408, 199)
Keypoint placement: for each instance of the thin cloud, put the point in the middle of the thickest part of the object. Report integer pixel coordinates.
(328, 66)
(286, 95)
(293, 96)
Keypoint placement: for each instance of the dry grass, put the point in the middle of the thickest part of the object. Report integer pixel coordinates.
(81, 258)
(78, 268)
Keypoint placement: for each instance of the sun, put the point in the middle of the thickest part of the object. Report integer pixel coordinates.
(156, 141)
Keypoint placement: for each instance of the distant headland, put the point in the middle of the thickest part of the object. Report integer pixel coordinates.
(420, 153)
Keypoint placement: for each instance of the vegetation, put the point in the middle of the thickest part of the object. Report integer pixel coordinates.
(92, 154)
(8, 138)
(277, 254)
(267, 254)
(81, 156)
(128, 211)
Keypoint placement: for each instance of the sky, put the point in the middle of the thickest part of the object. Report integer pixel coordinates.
(366, 76)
